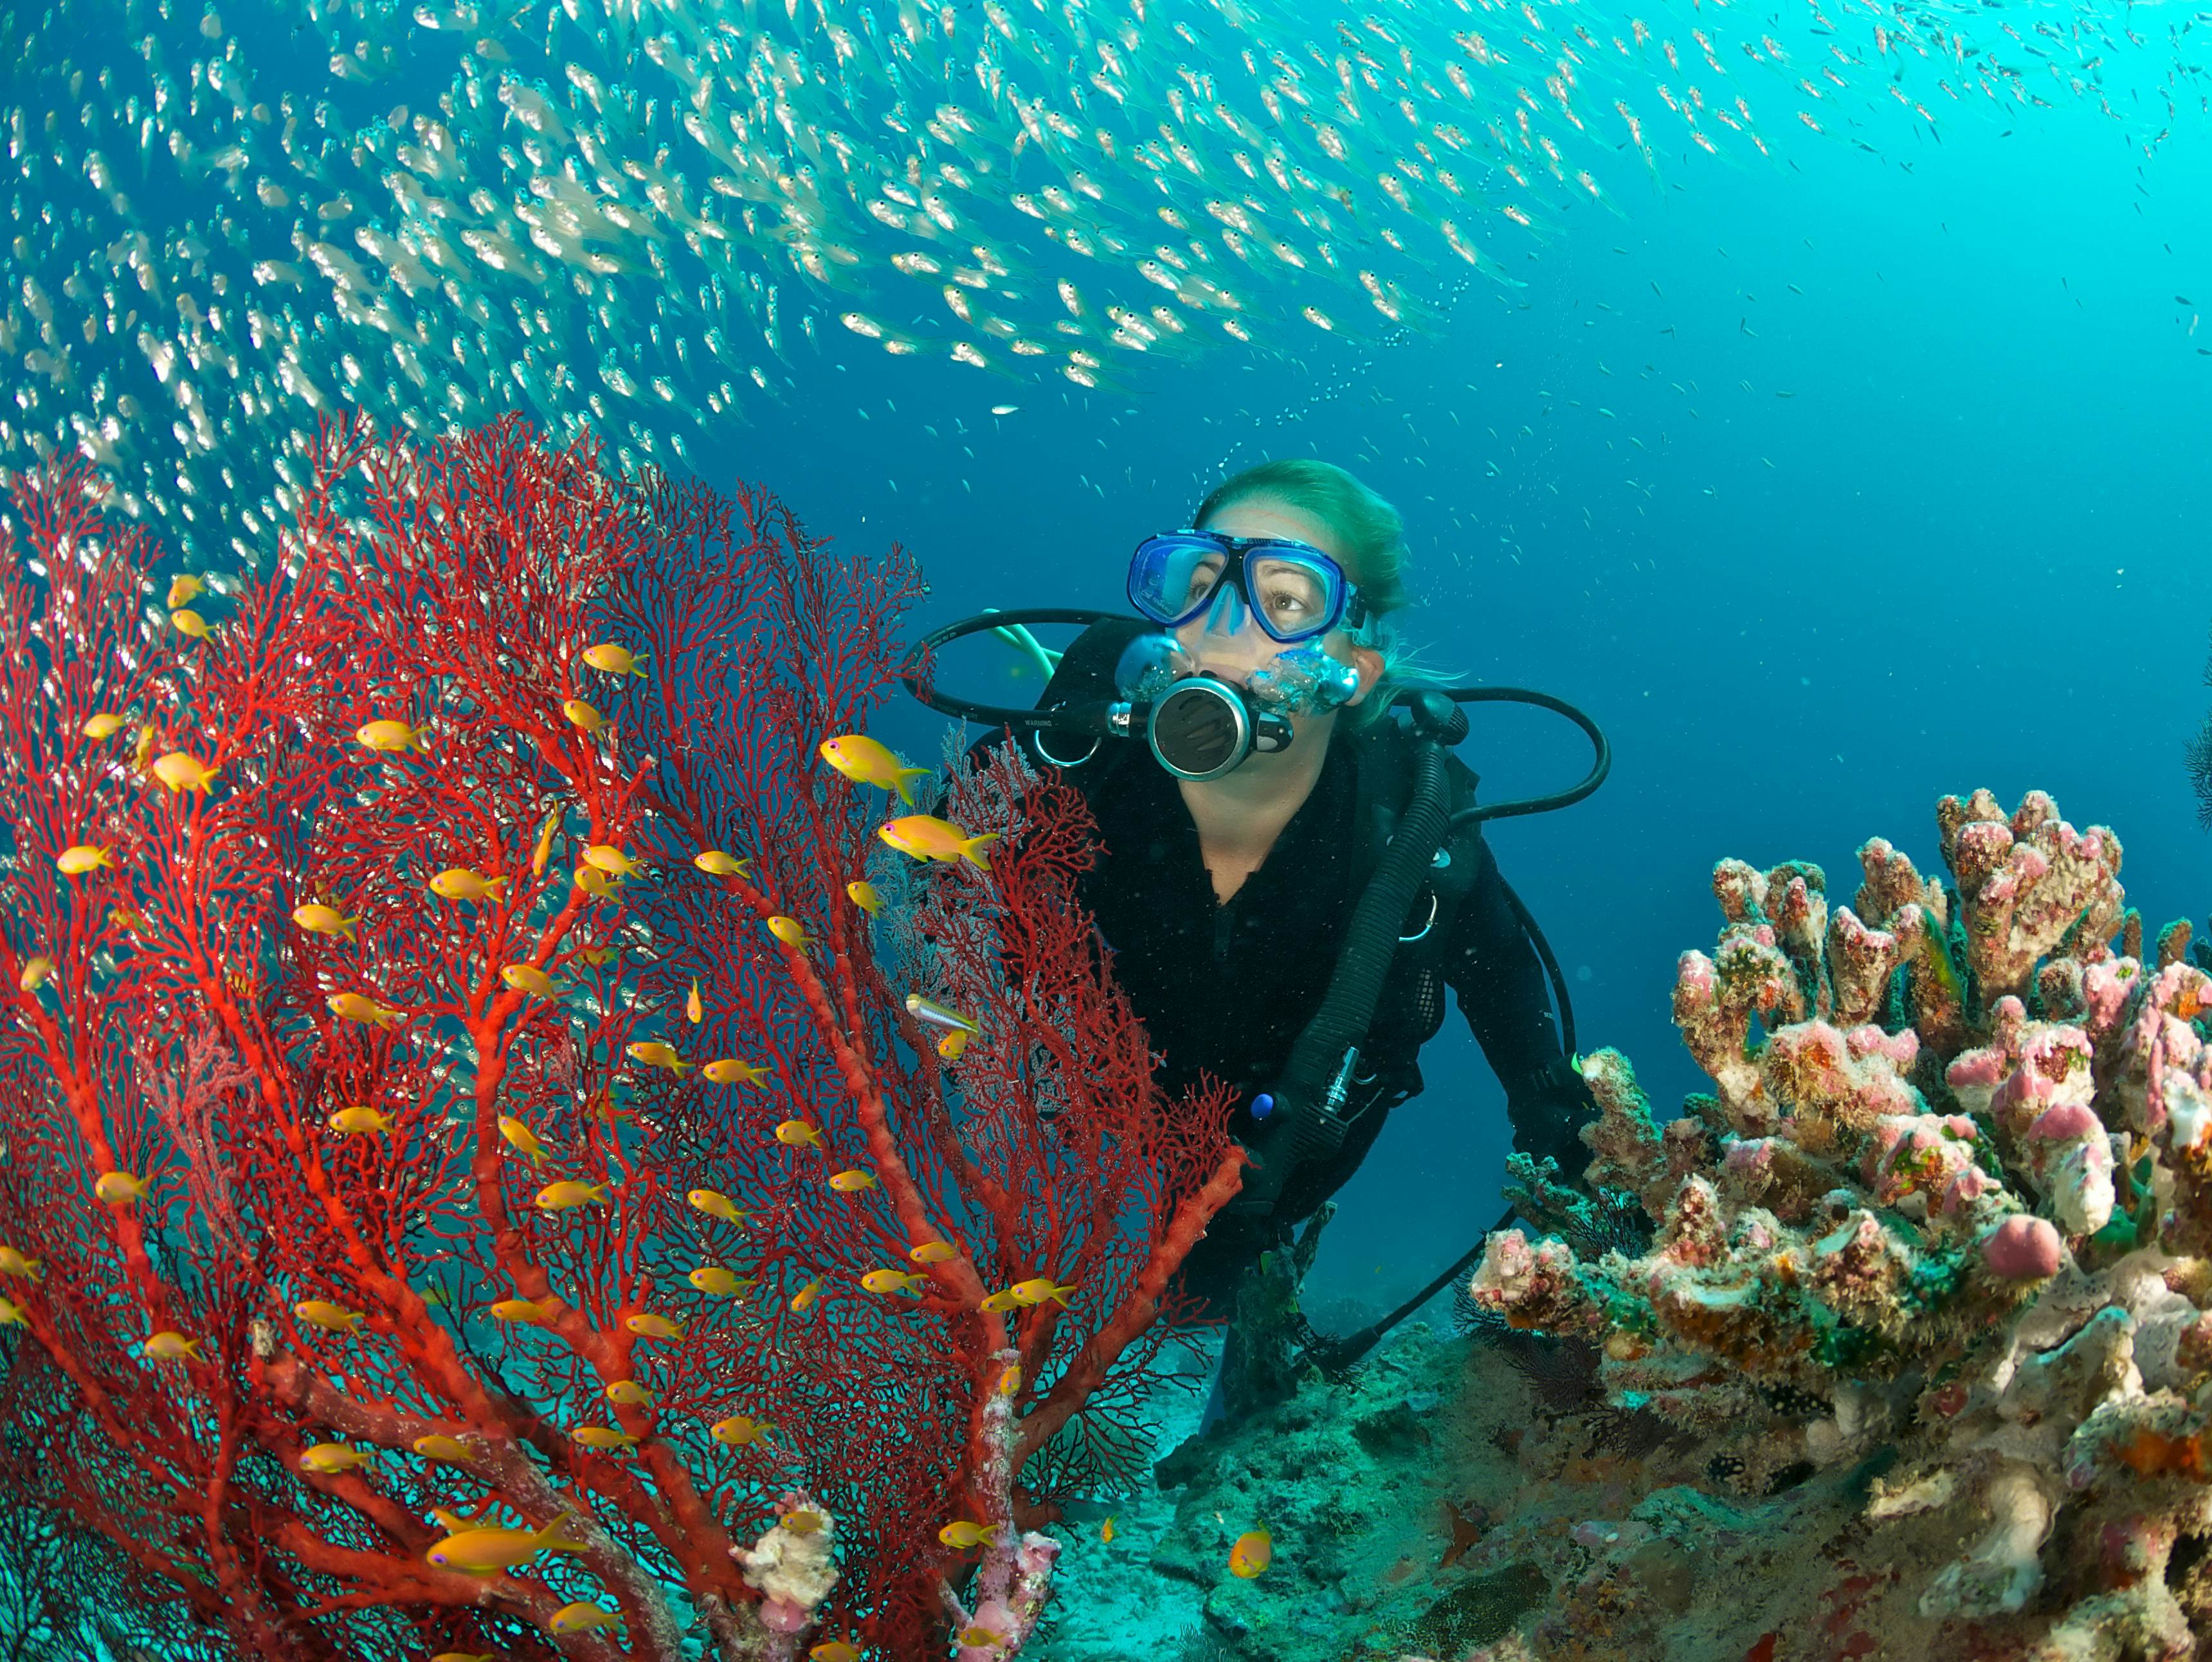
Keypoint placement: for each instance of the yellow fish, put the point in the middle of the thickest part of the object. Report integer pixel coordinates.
(439, 1446)
(927, 838)
(519, 1310)
(731, 1071)
(1106, 1530)
(979, 1637)
(105, 725)
(464, 883)
(316, 918)
(580, 1617)
(353, 1007)
(952, 1044)
(569, 1193)
(1252, 1553)
(963, 1534)
(172, 1347)
(894, 1281)
(144, 749)
(1000, 1303)
(1010, 1382)
(804, 1299)
(853, 1181)
(582, 715)
(865, 762)
(866, 898)
(359, 1120)
(738, 1431)
(715, 1205)
(788, 930)
(599, 957)
(611, 859)
(124, 918)
(331, 1317)
(11, 1314)
(647, 1325)
(181, 771)
(35, 974)
(715, 863)
(606, 1439)
(544, 849)
(332, 1459)
(528, 978)
(803, 1521)
(1037, 1291)
(466, 1656)
(489, 1551)
(522, 1137)
(630, 1393)
(722, 1283)
(189, 623)
(595, 883)
(184, 589)
(655, 1054)
(613, 659)
(831, 1650)
(933, 1252)
(693, 1007)
(796, 1133)
(13, 1262)
(390, 737)
(83, 857)
(121, 1187)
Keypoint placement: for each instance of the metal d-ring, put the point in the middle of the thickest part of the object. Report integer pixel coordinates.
(1427, 924)
(1036, 741)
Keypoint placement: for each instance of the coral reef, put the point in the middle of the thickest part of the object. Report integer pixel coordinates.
(1935, 1243)
(459, 1099)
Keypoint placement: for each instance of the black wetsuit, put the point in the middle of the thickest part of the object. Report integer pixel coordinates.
(1225, 988)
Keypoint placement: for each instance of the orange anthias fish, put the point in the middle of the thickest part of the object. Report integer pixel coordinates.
(867, 762)
(1254, 1550)
(926, 837)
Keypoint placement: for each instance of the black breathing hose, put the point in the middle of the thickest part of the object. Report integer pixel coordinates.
(1305, 1123)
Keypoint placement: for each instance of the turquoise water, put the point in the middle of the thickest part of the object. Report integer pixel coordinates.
(1829, 479)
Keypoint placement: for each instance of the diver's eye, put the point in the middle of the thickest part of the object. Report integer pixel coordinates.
(1202, 578)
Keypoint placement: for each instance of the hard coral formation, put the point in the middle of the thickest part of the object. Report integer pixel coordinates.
(1946, 1220)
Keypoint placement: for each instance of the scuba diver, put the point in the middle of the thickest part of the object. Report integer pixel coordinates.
(1290, 875)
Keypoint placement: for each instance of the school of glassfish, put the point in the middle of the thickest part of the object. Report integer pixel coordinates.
(619, 214)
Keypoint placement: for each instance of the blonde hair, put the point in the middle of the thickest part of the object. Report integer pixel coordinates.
(1373, 537)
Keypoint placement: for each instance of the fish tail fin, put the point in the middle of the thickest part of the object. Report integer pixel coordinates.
(899, 778)
(1060, 1294)
(972, 850)
(495, 883)
(989, 1532)
(562, 1535)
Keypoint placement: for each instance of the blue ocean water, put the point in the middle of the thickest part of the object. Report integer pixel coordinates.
(1828, 482)
(1968, 550)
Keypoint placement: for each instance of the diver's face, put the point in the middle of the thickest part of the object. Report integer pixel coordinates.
(1226, 640)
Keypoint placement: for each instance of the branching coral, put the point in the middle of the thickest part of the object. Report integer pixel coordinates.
(1949, 1204)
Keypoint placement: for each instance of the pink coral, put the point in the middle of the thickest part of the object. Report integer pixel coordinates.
(2023, 1248)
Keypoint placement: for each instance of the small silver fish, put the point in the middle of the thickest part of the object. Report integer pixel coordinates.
(936, 1015)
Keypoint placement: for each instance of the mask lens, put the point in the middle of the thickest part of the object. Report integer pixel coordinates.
(1294, 598)
(1171, 577)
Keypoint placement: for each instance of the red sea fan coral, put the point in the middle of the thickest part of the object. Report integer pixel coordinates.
(419, 1143)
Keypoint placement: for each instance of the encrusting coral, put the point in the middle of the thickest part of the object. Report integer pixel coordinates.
(1946, 1219)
